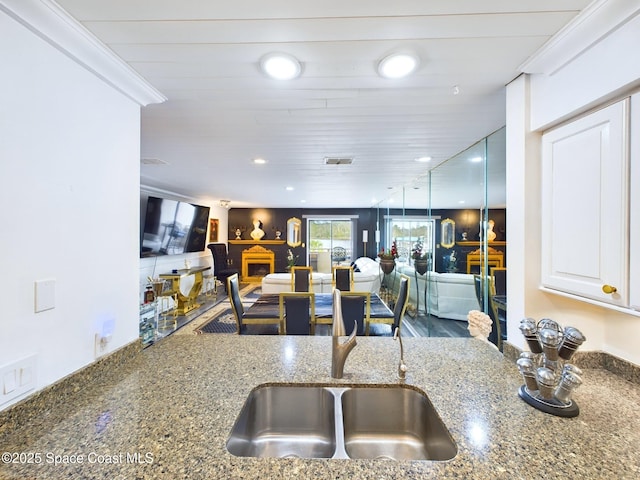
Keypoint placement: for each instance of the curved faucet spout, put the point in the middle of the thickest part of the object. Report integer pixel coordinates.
(402, 367)
(340, 351)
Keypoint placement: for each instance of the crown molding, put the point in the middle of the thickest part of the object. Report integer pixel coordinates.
(50, 22)
(597, 21)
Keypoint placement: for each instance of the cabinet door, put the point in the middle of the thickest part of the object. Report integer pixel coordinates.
(584, 206)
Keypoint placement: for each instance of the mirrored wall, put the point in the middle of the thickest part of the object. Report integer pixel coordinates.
(448, 227)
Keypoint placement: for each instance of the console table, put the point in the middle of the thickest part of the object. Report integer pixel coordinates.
(186, 303)
(495, 258)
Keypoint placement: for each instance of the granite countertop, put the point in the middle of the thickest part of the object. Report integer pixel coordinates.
(167, 413)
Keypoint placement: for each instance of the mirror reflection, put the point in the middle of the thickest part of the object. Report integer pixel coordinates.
(294, 232)
(447, 233)
(455, 209)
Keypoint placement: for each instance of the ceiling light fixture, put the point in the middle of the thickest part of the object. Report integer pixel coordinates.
(476, 159)
(456, 90)
(397, 65)
(225, 204)
(423, 159)
(281, 66)
(259, 161)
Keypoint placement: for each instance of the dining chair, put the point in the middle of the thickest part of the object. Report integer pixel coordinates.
(499, 275)
(297, 312)
(400, 307)
(356, 306)
(342, 277)
(221, 268)
(301, 279)
(482, 283)
(233, 290)
(250, 316)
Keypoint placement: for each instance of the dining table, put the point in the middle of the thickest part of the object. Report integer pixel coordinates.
(267, 306)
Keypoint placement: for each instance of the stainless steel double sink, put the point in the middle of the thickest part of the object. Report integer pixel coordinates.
(327, 421)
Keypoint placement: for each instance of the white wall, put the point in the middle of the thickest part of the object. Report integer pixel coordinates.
(69, 195)
(606, 70)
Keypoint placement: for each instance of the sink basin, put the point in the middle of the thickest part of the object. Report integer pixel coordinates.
(397, 423)
(324, 421)
(285, 421)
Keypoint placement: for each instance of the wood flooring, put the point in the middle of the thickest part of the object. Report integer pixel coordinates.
(432, 326)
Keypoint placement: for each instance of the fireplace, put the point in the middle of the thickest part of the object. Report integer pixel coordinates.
(257, 262)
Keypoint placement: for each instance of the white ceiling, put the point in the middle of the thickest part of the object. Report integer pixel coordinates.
(222, 112)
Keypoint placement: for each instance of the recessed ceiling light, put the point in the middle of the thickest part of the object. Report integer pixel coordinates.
(281, 66)
(259, 161)
(397, 65)
(423, 159)
(476, 159)
(289, 188)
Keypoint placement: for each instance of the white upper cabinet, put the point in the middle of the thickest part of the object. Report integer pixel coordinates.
(585, 206)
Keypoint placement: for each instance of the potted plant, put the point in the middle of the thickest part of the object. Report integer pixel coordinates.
(420, 259)
(388, 258)
(291, 259)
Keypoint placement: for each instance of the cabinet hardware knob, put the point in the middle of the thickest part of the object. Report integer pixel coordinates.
(609, 289)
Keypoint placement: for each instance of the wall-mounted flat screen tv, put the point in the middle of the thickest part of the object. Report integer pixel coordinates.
(171, 227)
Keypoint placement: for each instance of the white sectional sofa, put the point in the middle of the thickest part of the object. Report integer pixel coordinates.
(367, 277)
(449, 295)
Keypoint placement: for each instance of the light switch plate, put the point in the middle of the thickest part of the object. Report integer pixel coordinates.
(45, 297)
(9, 382)
(18, 378)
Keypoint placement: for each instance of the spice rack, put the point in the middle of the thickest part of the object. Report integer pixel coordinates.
(550, 379)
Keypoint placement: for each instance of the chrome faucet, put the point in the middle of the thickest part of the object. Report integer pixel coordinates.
(340, 351)
(402, 367)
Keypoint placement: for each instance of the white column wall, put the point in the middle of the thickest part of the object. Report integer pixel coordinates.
(69, 196)
(524, 227)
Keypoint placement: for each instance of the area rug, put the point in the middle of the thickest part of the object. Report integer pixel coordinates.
(221, 319)
(225, 322)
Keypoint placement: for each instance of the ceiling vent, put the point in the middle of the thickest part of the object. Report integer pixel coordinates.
(153, 161)
(338, 160)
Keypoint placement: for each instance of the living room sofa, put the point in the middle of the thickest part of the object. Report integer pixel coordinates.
(367, 277)
(449, 295)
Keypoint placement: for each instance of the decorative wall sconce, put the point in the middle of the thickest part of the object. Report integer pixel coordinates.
(448, 232)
